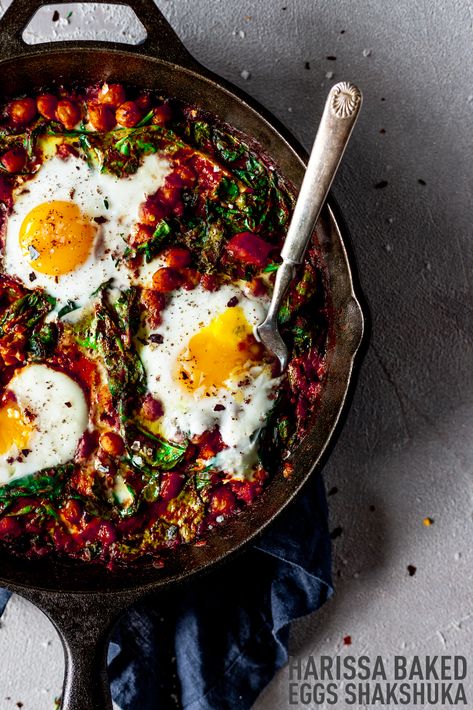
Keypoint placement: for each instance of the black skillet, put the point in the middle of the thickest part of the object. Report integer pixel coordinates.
(84, 601)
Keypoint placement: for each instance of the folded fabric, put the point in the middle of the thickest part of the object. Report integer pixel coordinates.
(214, 642)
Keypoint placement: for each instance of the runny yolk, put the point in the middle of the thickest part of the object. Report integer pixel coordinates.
(216, 352)
(14, 428)
(56, 237)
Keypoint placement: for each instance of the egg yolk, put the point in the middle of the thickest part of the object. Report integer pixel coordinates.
(14, 429)
(56, 237)
(216, 352)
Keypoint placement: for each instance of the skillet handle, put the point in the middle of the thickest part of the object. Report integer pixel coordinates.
(84, 623)
(161, 41)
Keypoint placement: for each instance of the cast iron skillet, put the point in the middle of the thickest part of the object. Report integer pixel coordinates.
(84, 601)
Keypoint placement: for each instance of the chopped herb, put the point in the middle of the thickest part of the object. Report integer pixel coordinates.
(103, 287)
(271, 267)
(68, 308)
(150, 248)
(146, 119)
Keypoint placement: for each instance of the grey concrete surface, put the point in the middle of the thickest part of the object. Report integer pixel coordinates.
(406, 451)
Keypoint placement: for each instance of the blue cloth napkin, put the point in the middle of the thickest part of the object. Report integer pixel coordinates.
(215, 642)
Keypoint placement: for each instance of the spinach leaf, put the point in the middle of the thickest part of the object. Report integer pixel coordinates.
(26, 311)
(228, 189)
(43, 341)
(148, 451)
(125, 372)
(150, 248)
(68, 308)
(227, 147)
(46, 484)
(199, 132)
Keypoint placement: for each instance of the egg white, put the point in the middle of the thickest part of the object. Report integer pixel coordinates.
(187, 413)
(60, 417)
(97, 194)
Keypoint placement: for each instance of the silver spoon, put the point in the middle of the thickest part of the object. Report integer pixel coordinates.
(339, 116)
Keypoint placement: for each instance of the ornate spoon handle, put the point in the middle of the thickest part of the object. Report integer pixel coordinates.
(339, 116)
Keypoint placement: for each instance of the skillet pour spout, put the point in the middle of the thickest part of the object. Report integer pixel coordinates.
(84, 600)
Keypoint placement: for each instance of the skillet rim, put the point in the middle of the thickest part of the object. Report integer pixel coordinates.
(339, 234)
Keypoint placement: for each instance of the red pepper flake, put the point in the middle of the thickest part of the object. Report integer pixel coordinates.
(428, 522)
(412, 570)
(347, 640)
(200, 543)
(336, 532)
(288, 469)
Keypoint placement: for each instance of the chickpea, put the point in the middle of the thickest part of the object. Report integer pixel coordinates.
(190, 279)
(46, 105)
(166, 279)
(14, 160)
(177, 257)
(64, 150)
(112, 94)
(171, 484)
(150, 212)
(162, 114)
(72, 512)
(22, 111)
(128, 114)
(152, 408)
(143, 102)
(186, 175)
(112, 443)
(210, 282)
(101, 116)
(141, 234)
(9, 528)
(257, 286)
(153, 303)
(68, 113)
(222, 501)
(169, 195)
